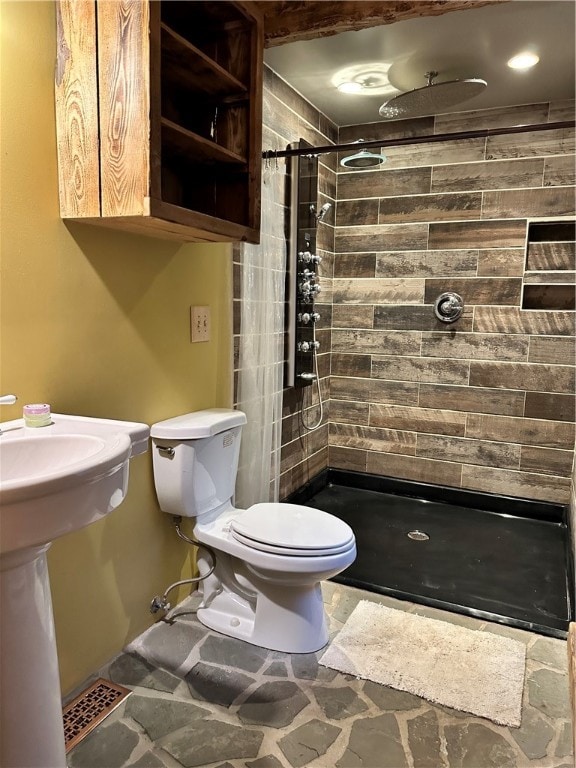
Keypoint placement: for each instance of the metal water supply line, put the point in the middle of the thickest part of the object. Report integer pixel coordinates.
(160, 603)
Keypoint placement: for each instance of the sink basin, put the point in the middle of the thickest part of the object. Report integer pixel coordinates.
(57, 479)
(34, 462)
(53, 480)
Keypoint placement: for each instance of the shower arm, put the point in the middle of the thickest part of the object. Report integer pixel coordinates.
(428, 139)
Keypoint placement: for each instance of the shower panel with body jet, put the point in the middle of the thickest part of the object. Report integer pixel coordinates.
(304, 285)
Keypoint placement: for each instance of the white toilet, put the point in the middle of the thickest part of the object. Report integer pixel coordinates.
(270, 558)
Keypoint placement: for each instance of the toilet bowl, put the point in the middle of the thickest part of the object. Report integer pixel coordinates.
(270, 558)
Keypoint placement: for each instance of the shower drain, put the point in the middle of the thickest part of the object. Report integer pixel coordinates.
(418, 536)
(88, 709)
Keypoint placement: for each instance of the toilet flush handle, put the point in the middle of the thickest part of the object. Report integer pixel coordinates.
(166, 451)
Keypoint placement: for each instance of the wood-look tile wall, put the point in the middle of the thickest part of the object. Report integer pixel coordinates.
(486, 403)
(287, 118)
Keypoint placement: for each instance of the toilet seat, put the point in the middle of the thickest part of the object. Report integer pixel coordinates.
(291, 529)
(288, 551)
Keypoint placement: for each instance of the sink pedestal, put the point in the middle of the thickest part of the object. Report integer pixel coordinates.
(31, 729)
(53, 480)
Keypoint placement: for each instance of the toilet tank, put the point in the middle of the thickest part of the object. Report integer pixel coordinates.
(195, 460)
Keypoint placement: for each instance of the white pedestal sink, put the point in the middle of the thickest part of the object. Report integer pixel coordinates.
(53, 480)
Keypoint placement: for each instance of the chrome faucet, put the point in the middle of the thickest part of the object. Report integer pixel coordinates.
(7, 400)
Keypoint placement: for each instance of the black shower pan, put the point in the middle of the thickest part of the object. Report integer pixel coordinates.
(493, 557)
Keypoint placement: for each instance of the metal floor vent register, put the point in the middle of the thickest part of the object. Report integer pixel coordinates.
(88, 709)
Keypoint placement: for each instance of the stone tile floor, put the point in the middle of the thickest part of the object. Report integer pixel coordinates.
(202, 699)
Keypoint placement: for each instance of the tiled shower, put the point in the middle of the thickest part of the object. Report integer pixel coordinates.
(488, 403)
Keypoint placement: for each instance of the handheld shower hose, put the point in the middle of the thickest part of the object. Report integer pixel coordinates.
(312, 427)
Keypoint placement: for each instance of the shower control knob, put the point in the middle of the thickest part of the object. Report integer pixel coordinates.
(307, 376)
(309, 258)
(307, 346)
(307, 274)
(309, 289)
(448, 307)
(308, 317)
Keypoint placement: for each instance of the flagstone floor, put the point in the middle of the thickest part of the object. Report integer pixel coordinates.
(202, 699)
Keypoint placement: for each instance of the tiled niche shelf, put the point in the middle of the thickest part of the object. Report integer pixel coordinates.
(550, 266)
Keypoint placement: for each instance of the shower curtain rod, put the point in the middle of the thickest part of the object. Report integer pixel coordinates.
(270, 154)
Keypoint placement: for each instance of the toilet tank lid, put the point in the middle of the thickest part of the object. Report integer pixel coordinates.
(192, 426)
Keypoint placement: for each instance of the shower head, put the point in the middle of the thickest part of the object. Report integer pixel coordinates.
(323, 211)
(432, 97)
(363, 159)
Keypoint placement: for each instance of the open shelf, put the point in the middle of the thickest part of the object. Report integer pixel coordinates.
(180, 141)
(194, 71)
(559, 297)
(222, 30)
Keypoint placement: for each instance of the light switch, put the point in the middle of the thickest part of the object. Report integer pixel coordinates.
(199, 324)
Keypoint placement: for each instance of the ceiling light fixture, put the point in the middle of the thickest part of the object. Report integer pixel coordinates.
(366, 79)
(523, 60)
(350, 86)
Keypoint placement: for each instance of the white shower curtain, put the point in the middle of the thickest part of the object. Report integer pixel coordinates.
(261, 357)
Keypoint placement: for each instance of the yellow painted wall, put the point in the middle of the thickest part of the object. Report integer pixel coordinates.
(97, 323)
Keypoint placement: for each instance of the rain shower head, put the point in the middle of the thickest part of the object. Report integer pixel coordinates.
(432, 97)
(363, 159)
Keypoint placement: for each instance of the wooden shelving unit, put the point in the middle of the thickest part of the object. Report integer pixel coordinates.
(159, 116)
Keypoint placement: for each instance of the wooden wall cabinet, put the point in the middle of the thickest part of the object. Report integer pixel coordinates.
(159, 117)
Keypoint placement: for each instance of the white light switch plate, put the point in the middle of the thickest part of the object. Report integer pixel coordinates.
(199, 324)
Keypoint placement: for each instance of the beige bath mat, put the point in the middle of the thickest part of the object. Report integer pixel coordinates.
(465, 669)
